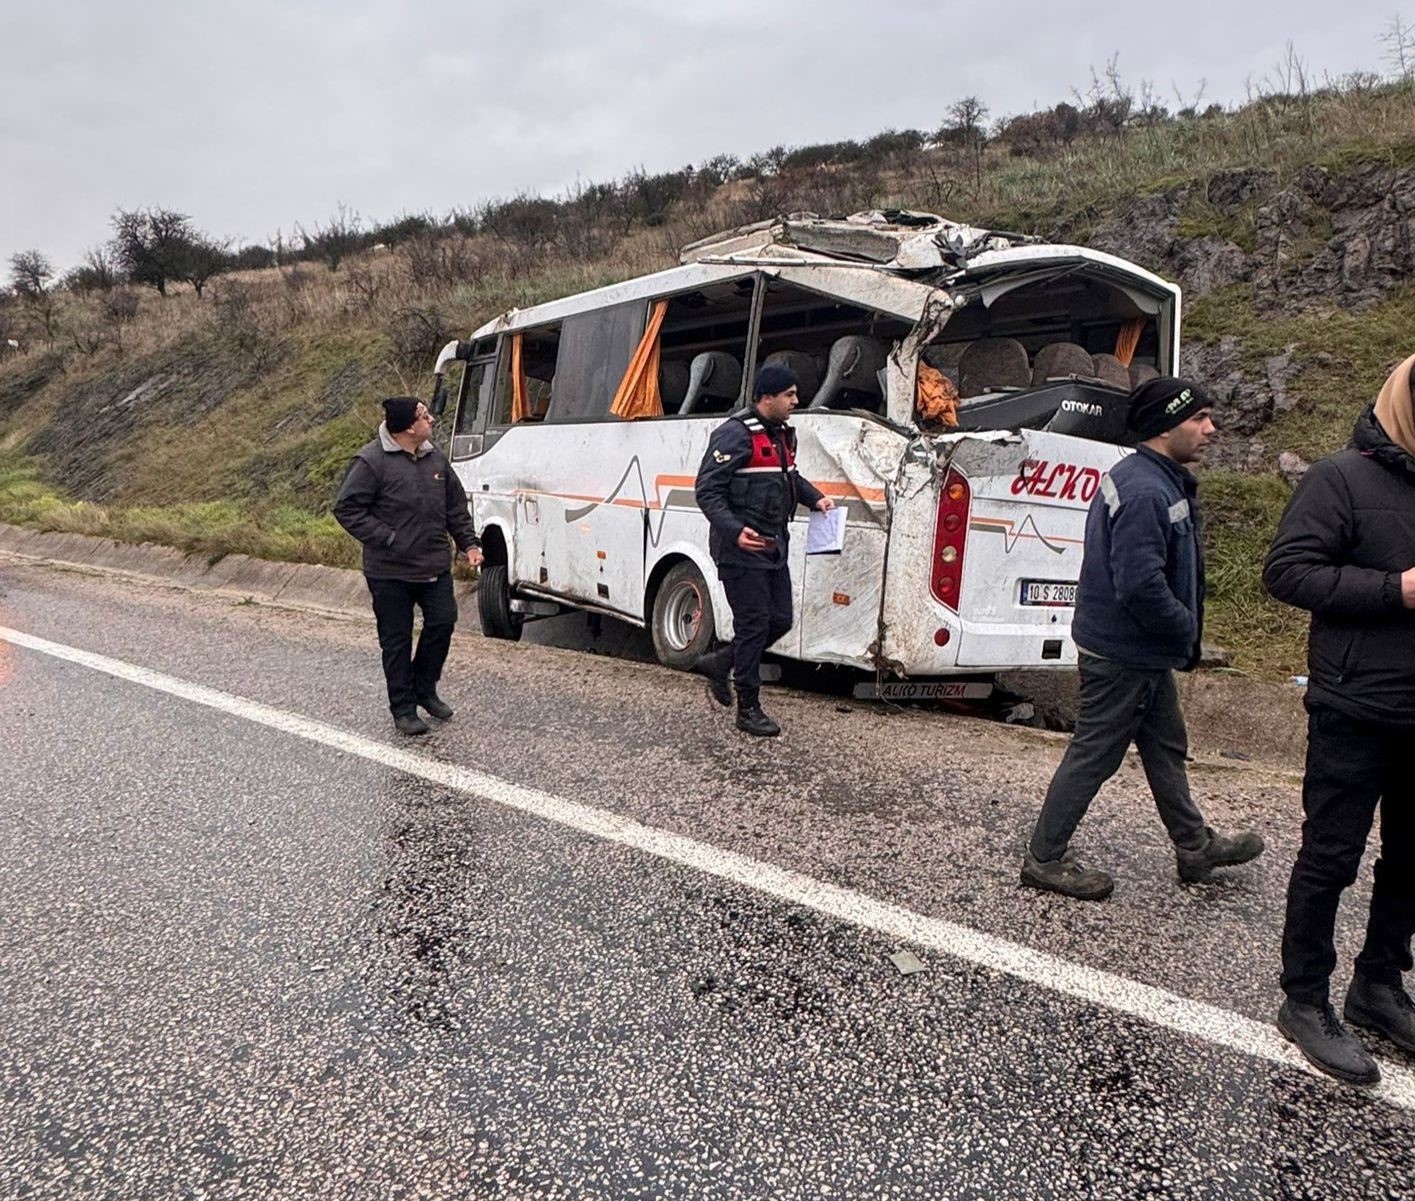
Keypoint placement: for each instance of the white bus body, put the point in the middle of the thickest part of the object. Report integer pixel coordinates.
(963, 545)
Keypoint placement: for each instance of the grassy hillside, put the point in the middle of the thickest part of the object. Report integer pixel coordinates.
(222, 423)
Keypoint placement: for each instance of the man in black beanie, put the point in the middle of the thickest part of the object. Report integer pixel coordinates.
(1139, 615)
(748, 488)
(401, 499)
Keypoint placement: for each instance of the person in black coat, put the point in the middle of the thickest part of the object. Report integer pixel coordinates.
(748, 489)
(1345, 551)
(401, 499)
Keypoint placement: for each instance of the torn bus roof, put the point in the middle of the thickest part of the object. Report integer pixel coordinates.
(889, 238)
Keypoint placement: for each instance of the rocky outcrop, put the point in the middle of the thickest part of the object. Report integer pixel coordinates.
(1325, 237)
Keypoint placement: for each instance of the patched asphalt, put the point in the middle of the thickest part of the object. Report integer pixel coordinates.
(235, 964)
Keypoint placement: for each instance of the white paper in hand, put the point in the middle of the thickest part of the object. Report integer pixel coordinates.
(825, 533)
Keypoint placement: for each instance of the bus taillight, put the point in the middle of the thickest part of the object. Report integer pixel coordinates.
(950, 534)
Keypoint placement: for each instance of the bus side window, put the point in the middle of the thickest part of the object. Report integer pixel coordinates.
(538, 346)
(702, 348)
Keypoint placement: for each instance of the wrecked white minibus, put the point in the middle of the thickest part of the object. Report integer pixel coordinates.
(963, 393)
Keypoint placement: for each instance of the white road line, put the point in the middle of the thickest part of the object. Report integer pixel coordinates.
(1157, 1006)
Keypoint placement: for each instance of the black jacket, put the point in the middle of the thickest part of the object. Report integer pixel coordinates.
(402, 507)
(1141, 595)
(1346, 537)
(748, 477)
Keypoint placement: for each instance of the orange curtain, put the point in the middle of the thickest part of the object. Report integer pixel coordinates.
(935, 397)
(637, 394)
(520, 405)
(1128, 339)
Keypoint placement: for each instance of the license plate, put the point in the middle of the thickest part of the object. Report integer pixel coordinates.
(1049, 592)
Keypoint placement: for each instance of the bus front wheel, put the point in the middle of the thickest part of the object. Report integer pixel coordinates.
(494, 604)
(683, 627)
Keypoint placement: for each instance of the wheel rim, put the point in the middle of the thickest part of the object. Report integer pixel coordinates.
(682, 616)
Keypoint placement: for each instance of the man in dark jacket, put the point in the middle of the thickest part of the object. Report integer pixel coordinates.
(401, 499)
(1345, 550)
(748, 488)
(1139, 616)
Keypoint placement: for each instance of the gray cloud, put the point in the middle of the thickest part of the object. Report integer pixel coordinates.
(252, 116)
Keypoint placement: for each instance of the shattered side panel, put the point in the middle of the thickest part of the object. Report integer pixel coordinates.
(853, 460)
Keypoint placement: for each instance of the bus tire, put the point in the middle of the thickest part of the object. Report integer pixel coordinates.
(683, 627)
(494, 604)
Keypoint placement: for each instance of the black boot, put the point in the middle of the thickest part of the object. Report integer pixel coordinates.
(435, 705)
(716, 665)
(1328, 1045)
(1221, 850)
(1384, 1008)
(409, 723)
(751, 720)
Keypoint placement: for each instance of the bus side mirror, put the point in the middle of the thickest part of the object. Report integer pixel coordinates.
(453, 350)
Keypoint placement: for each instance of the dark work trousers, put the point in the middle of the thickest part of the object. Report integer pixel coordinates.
(1352, 765)
(1120, 705)
(410, 675)
(761, 613)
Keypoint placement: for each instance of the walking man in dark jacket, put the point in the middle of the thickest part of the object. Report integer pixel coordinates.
(1345, 550)
(401, 499)
(1139, 615)
(748, 488)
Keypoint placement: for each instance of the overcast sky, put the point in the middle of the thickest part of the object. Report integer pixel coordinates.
(252, 116)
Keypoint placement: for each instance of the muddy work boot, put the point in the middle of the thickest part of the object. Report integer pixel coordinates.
(1328, 1045)
(1221, 850)
(409, 723)
(751, 720)
(1067, 877)
(1385, 1008)
(717, 667)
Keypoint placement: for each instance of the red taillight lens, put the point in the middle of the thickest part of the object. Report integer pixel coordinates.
(950, 536)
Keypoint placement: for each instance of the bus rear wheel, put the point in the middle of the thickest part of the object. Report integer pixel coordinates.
(683, 628)
(494, 604)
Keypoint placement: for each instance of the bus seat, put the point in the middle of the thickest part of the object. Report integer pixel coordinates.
(1140, 373)
(800, 364)
(854, 363)
(992, 363)
(538, 397)
(713, 375)
(1110, 370)
(1056, 360)
(672, 384)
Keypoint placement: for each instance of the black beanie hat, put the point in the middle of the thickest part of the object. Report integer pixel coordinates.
(1158, 405)
(399, 412)
(773, 378)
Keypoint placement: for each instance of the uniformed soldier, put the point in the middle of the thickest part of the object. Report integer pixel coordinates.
(748, 488)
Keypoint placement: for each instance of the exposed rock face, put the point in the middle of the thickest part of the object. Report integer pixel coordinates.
(1245, 400)
(1323, 238)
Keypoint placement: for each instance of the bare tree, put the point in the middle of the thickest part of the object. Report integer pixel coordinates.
(95, 274)
(966, 124)
(1399, 42)
(152, 245)
(205, 257)
(1109, 103)
(30, 273)
(335, 241)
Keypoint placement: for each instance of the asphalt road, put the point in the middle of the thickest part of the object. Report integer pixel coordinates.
(586, 941)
